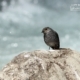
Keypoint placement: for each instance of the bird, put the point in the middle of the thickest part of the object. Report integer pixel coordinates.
(51, 38)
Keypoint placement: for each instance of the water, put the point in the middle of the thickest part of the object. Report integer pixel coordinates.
(21, 25)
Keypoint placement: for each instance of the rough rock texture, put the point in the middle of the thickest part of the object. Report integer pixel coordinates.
(63, 64)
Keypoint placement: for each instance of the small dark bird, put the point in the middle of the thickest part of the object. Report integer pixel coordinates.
(51, 38)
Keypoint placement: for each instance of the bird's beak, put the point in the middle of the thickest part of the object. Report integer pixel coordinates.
(42, 31)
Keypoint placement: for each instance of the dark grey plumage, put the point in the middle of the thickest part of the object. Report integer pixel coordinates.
(51, 38)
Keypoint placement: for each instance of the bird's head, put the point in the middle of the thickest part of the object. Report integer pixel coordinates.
(46, 30)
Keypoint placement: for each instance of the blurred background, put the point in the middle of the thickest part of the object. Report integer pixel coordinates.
(21, 23)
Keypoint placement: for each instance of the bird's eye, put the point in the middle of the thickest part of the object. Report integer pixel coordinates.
(46, 29)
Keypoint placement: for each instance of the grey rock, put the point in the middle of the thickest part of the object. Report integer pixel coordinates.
(61, 64)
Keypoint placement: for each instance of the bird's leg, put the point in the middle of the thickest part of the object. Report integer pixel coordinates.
(49, 48)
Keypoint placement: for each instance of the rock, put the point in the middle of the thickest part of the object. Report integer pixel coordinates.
(63, 64)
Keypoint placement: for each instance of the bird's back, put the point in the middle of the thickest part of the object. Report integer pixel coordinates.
(52, 39)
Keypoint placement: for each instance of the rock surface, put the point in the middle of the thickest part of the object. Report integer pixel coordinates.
(61, 64)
